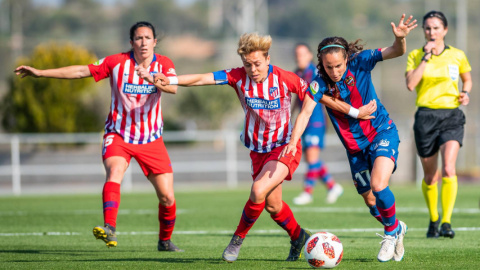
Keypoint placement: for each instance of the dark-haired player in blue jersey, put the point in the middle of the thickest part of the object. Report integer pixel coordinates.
(313, 137)
(372, 144)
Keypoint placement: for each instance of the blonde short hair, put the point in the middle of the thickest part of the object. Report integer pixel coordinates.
(254, 42)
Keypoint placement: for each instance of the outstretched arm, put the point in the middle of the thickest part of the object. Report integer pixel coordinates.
(400, 31)
(185, 80)
(69, 72)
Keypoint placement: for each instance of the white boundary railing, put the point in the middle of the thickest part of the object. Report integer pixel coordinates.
(16, 169)
(230, 165)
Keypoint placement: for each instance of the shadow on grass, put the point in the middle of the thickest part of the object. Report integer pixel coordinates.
(160, 260)
(36, 251)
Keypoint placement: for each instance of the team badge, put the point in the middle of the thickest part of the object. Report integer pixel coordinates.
(350, 81)
(314, 87)
(273, 92)
(99, 62)
(384, 143)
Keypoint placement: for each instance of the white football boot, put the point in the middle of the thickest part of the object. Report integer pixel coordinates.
(303, 198)
(387, 250)
(334, 193)
(399, 248)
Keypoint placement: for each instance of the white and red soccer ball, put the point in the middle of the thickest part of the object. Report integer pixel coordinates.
(323, 250)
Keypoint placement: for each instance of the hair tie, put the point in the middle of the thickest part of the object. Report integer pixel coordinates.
(332, 45)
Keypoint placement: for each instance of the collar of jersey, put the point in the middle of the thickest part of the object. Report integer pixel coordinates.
(446, 47)
(270, 70)
(133, 57)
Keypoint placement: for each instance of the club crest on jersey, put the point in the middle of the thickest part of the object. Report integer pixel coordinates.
(384, 143)
(314, 87)
(273, 92)
(350, 81)
(99, 62)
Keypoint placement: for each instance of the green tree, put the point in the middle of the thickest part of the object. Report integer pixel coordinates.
(51, 105)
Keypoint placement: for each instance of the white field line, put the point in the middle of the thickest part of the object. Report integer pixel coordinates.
(183, 211)
(228, 232)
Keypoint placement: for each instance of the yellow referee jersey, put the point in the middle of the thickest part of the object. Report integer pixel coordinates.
(438, 88)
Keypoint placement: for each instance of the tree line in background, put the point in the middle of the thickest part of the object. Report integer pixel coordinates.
(48, 105)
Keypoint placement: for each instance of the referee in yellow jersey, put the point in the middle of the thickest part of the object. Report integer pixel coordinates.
(433, 71)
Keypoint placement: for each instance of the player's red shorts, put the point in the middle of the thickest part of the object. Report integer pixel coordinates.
(260, 159)
(152, 157)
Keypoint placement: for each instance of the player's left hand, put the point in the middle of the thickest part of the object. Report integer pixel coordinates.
(404, 27)
(144, 74)
(289, 149)
(464, 99)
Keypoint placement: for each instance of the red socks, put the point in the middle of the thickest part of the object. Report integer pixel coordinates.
(286, 220)
(250, 214)
(166, 218)
(111, 201)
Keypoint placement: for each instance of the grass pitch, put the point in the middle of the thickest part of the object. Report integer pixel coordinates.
(54, 232)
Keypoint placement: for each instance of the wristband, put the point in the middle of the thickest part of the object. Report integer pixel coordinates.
(173, 80)
(464, 91)
(353, 112)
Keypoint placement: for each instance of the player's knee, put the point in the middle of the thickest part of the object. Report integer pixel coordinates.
(166, 199)
(449, 171)
(273, 209)
(115, 174)
(257, 195)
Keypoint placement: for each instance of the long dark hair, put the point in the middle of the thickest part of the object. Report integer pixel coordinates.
(141, 24)
(337, 44)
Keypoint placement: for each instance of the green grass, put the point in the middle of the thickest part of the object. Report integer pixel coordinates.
(211, 217)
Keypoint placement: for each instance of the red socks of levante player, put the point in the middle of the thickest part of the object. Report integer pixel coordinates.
(166, 218)
(111, 201)
(284, 219)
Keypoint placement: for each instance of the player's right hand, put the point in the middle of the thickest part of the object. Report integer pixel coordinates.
(290, 149)
(162, 78)
(25, 71)
(366, 110)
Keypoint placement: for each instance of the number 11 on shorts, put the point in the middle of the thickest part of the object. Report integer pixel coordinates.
(361, 176)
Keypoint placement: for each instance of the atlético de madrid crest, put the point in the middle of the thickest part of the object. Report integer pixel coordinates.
(273, 92)
(350, 81)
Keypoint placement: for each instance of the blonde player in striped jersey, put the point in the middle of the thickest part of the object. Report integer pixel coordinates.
(133, 127)
(265, 93)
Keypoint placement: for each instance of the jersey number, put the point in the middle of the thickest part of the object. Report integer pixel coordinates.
(361, 179)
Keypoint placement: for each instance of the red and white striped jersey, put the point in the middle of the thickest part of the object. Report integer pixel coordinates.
(135, 109)
(266, 105)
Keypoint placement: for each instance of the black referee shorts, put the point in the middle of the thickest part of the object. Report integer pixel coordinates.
(434, 127)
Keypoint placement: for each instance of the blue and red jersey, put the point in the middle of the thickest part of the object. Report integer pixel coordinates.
(266, 105)
(317, 120)
(356, 88)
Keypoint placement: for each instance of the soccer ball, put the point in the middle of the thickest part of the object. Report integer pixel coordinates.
(323, 250)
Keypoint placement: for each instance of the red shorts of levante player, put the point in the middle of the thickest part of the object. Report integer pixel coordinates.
(260, 159)
(152, 157)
